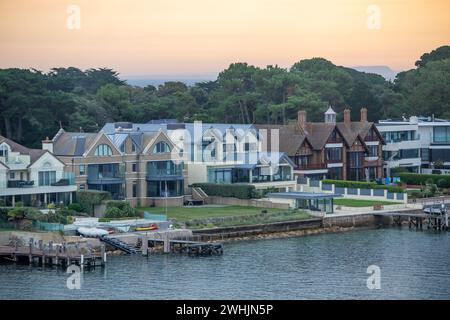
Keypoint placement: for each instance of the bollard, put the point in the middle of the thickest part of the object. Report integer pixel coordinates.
(103, 254)
(166, 243)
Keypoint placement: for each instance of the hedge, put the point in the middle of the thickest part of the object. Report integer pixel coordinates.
(442, 181)
(227, 190)
(119, 209)
(363, 185)
(88, 198)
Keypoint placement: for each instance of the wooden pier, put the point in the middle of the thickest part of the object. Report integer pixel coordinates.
(419, 220)
(181, 246)
(52, 255)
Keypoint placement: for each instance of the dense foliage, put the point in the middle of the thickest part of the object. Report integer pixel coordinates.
(89, 198)
(227, 190)
(119, 209)
(442, 181)
(34, 104)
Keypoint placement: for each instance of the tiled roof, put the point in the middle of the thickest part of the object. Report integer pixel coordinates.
(34, 154)
(72, 143)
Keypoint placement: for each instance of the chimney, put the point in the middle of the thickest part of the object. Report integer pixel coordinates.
(363, 114)
(347, 117)
(47, 144)
(301, 119)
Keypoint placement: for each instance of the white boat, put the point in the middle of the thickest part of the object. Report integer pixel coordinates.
(92, 232)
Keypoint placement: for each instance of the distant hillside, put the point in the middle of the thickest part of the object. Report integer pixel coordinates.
(383, 71)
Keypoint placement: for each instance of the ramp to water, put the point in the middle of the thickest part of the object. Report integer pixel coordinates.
(119, 244)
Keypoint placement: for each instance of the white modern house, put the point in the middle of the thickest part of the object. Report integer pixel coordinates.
(419, 144)
(32, 176)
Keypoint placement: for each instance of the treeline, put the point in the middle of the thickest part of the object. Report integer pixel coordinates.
(34, 104)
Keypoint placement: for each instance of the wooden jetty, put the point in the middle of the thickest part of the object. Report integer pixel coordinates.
(181, 246)
(418, 219)
(52, 255)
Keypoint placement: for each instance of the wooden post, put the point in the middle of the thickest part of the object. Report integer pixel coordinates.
(144, 247)
(166, 243)
(103, 253)
(30, 256)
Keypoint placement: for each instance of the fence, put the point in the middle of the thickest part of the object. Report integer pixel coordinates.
(356, 193)
(154, 217)
(47, 226)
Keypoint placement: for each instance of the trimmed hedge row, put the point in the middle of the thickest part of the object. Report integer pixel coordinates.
(363, 185)
(227, 190)
(442, 181)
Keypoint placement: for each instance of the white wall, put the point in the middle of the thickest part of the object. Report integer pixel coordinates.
(40, 165)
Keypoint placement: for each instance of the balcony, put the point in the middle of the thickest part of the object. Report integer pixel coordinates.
(164, 170)
(20, 184)
(105, 174)
(311, 166)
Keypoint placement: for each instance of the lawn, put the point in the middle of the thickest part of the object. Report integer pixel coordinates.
(362, 203)
(189, 213)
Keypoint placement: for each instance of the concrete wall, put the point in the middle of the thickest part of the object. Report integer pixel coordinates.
(246, 202)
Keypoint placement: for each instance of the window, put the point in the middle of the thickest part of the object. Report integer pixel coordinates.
(425, 154)
(82, 169)
(103, 150)
(4, 151)
(161, 147)
(334, 154)
(82, 186)
(441, 135)
(134, 189)
(373, 151)
(133, 147)
(134, 167)
(46, 178)
(12, 175)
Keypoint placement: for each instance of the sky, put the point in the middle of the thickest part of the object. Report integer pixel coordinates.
(163, 37)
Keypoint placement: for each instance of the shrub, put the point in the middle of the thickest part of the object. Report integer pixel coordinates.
(227, 190)
(89, 198)
(19, 204)
(119, 209)
(75, 207)
(113, 213)
(443, 181)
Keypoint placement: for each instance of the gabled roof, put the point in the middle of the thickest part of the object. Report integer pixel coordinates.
(290, 137)
(34, 154)
(72, 143)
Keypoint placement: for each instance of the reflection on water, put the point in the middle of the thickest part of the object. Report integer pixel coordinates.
(414, 265)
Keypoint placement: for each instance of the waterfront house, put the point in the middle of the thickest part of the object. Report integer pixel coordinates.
(34, 177)
(417, 144)
(347, 150)
(138, 166)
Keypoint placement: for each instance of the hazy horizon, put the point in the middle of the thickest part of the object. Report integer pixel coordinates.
(142, 37)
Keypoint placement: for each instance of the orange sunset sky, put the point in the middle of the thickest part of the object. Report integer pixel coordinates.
(144, 37)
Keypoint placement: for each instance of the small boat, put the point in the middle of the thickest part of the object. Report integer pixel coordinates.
(149, 228)
(92, 232)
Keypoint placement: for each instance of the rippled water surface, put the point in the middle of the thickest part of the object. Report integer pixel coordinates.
(414, 265)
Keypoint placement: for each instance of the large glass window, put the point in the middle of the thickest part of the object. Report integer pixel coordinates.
(219, 175)
(103, 150)
(334, 173)
(165, 188)
(355, 159)
(162, 168)
(441, 135)
(46, 178)
(440, 155)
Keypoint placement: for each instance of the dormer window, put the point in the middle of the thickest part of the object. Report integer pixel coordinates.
(103, 150)
(4, 150)
(161, 147)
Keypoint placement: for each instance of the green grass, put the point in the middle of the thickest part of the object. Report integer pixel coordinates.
(362, 203)
(185, 214)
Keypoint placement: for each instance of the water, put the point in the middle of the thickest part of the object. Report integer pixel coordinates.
(414, 265)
